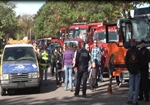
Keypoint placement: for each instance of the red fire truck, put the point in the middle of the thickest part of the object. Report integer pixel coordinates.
(79, 32)
(63, 33)
(92, 28)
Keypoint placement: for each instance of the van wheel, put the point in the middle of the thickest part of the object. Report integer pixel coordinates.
(3, 92)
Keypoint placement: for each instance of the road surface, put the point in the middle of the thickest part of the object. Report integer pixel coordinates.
(53, 95)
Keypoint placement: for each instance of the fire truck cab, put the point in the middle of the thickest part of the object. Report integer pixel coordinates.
(137, 27)
(92, 28)
(63, 33)
(108, 41)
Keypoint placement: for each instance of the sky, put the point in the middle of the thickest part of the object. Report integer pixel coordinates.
(27, 7)
(31, 8)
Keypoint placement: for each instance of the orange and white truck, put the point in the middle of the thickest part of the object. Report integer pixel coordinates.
(129, 28)
(109, 42)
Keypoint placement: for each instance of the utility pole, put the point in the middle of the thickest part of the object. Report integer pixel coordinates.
(30, 33)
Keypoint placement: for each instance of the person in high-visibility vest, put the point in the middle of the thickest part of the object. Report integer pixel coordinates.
(44, 61)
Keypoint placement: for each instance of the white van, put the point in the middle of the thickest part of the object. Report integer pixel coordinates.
(19, 68)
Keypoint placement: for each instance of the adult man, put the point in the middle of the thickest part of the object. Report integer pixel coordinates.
(145, 58)
(44, 60)
(132, 61)
(82, 60)
(96, 57)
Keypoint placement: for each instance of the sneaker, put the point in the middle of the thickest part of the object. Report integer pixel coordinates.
(140, 99)
(71, 90)
(146, 100)
(120, 84)
(84, 96)
(76, 95)
(129, 103)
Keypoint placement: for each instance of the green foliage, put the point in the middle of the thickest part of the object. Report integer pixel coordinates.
(54, 15)
(8, 21)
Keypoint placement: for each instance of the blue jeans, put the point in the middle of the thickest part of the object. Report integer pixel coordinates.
(101, 72)
(134, 81)
(68, 74)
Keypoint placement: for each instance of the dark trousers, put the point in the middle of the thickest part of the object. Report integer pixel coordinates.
(53, 65)
(81, 74)
(92, 82)
(59, 76)
(97, 74)
(144, 85)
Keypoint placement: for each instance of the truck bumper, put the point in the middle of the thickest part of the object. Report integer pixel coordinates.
(17, 85)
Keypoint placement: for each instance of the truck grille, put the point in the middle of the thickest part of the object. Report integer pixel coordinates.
(18, 77)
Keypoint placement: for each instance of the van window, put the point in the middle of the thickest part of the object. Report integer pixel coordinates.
(19, 53)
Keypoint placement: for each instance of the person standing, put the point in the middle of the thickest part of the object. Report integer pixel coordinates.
(82, 61)
(92, 76)
(132, 62)
(75, 68)
(53, 61)
(96, 57)
(44, 59)
(59, 66)
(67, 66)
(103, 60)
(111, 69)
(145, 59)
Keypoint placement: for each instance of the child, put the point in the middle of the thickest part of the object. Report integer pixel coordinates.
(111, 69)
(92, 76)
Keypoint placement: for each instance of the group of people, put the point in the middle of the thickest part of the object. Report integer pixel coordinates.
(71, 59)
(137, 62)
(86, 64)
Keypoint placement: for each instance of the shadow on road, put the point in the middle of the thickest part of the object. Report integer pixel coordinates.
(99, 97)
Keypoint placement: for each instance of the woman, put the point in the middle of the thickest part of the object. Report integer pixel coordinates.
(67, 64)
(53, 61)
(59, 66)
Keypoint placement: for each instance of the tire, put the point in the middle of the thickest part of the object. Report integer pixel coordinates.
(3, 92)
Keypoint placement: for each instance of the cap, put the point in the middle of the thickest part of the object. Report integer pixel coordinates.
(132, 41)
(142, 41)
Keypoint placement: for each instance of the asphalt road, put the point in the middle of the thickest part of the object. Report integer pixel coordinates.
(53, 95)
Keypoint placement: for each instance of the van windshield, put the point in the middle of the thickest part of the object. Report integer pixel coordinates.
(19, 54)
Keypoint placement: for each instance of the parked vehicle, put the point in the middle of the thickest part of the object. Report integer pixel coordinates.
(19, 68)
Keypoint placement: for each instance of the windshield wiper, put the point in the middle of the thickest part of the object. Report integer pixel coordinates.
(25, 59)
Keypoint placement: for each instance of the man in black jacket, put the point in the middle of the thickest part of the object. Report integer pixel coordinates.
(145, 58)
(82, 60)
(133, 65)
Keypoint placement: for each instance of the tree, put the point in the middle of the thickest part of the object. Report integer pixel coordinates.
(25, 26)
(8, 20)
(54, 15)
